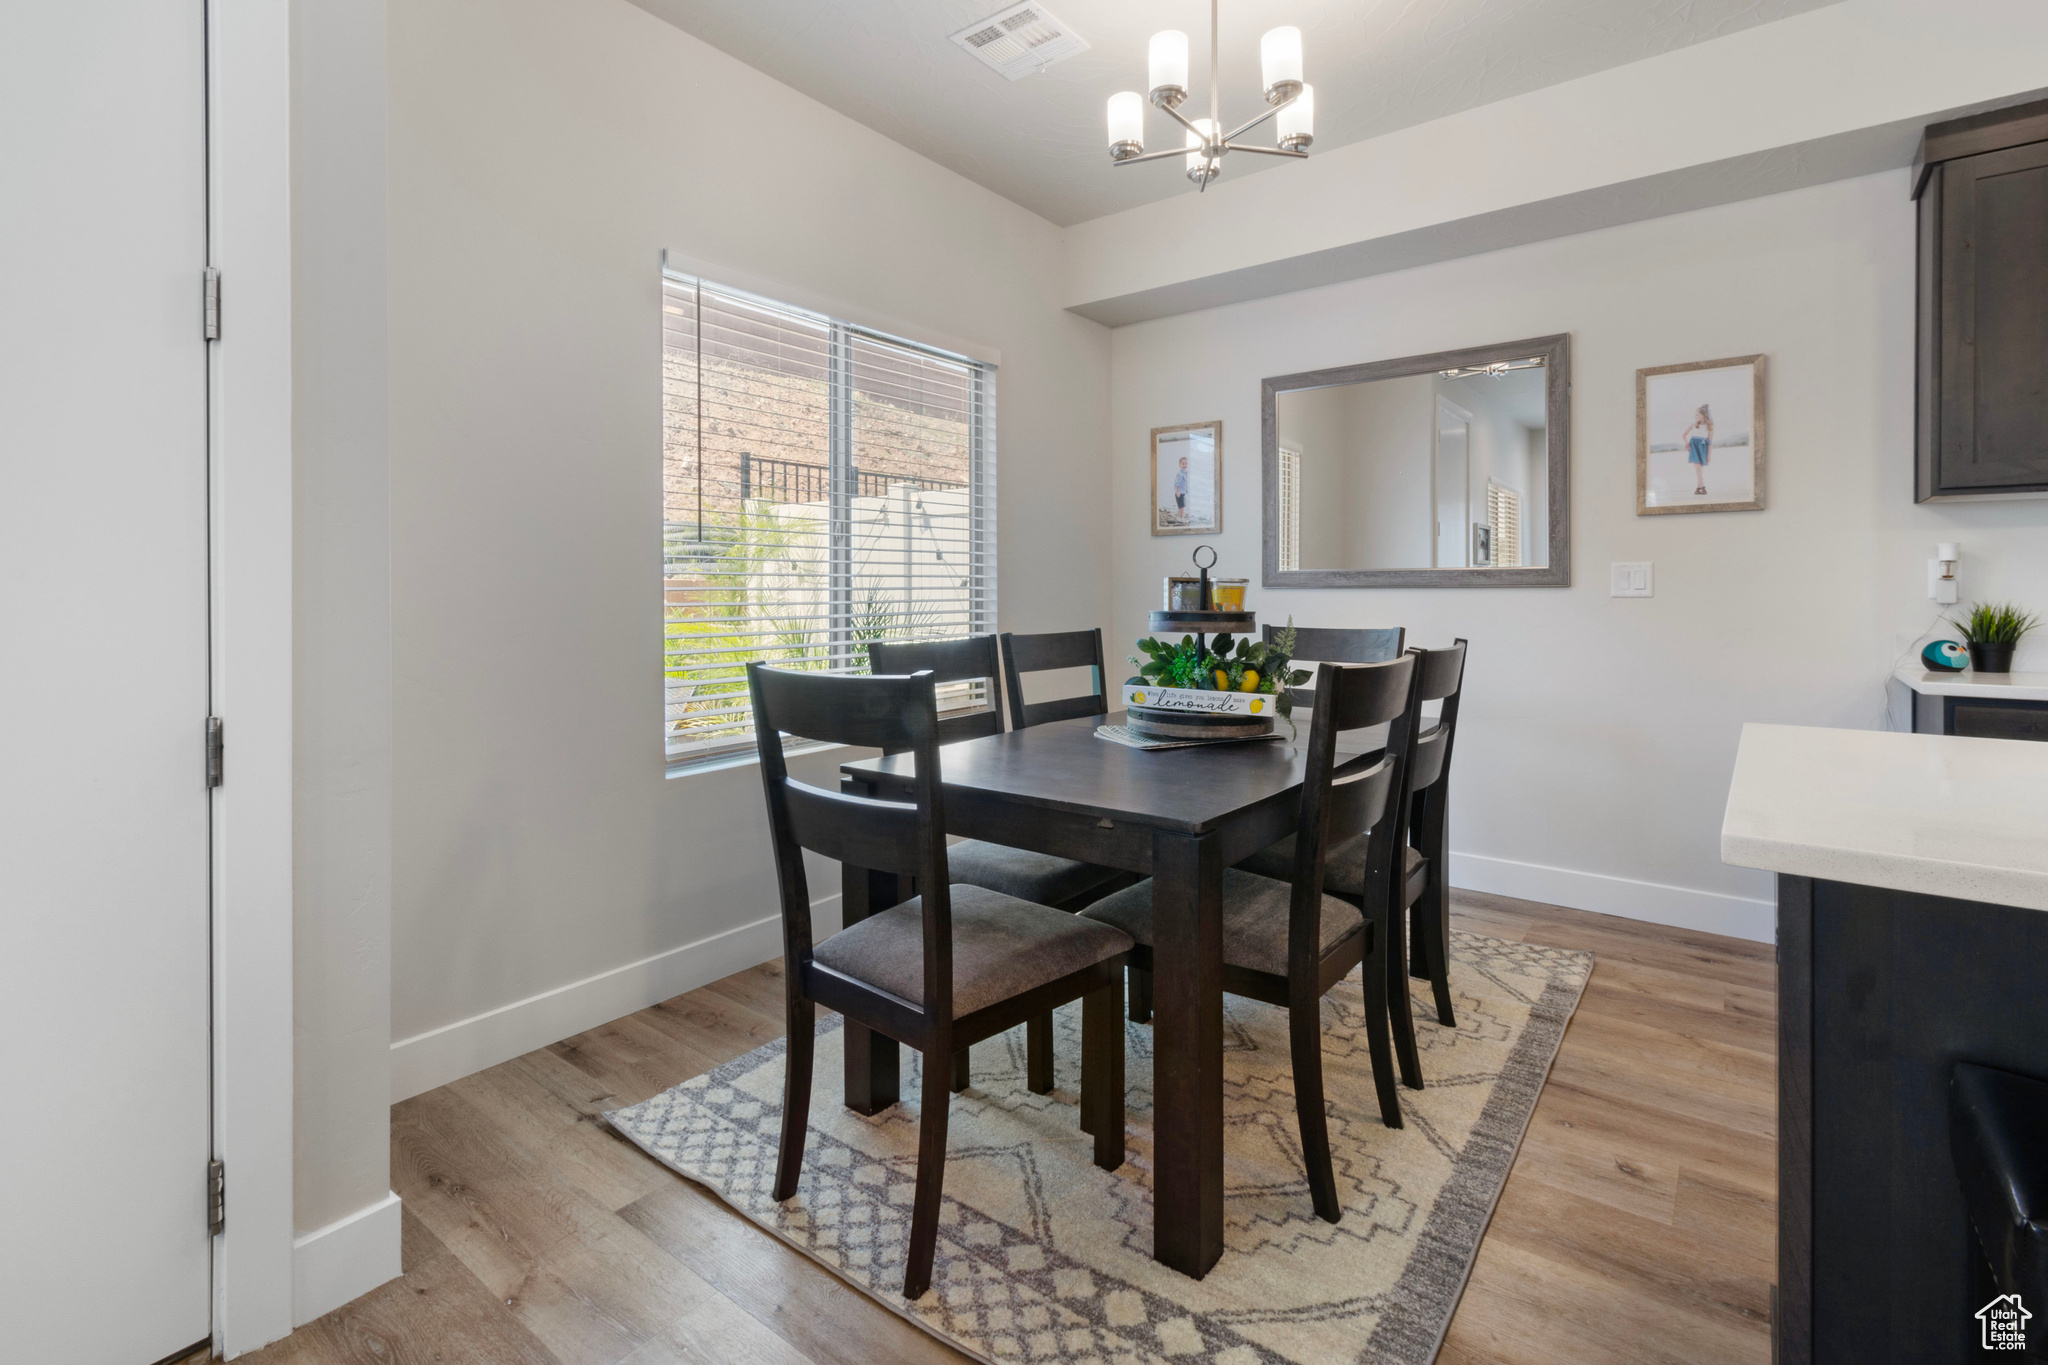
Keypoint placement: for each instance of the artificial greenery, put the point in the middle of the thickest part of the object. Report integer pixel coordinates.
(1227, 665)
(1995, 623)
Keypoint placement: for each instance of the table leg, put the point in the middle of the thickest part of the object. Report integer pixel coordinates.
(873, 1061)
(1187, 1050)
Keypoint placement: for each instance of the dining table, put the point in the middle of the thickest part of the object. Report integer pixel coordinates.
(1180, 816)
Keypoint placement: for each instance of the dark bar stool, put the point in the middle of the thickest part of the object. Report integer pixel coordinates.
(1998, 1134)
(1041, 878)
(951, 967)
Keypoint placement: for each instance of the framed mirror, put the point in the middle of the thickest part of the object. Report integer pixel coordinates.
(1444, 471)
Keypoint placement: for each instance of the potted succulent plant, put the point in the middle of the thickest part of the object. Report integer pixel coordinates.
(1991, 630)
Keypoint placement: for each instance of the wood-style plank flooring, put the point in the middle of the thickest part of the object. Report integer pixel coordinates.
(1638, 1225)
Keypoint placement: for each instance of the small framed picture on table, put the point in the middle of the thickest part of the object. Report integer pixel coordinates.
(1187, 479)
(1700, 437)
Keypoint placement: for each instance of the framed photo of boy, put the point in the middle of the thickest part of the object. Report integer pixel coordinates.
(1187, 479)
(1700, 437)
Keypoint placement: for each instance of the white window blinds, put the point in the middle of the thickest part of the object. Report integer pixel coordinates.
(1504, 515)
(824, 486)
(1290, 510)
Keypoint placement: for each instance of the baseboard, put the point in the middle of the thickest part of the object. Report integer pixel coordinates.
(1678, 906)
(344, 1260)
(438, 1056)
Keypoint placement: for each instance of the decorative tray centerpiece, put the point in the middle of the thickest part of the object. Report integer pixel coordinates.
(1217, 682)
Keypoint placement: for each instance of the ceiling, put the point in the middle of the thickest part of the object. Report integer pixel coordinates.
(1377, 66)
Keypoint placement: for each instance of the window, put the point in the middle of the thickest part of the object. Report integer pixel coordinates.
(1504, 515)
(1290, 510)
(823, 486)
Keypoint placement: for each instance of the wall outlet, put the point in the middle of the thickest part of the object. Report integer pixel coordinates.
(1629, 580)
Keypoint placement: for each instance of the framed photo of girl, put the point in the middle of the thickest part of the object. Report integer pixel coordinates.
(1187, 479)
(1700, 437)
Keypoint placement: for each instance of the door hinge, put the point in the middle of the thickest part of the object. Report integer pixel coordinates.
(210, 289)
(216, 752)
(216, 1197)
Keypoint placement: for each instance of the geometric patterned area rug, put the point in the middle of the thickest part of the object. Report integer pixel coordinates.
(1044, 1258)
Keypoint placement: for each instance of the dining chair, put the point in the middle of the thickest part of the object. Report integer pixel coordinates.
(1037, 653)
(1345, 874)
(1426, 884)
(1041, 878)
(948, 968)
(1287, 943)
(1329, 645)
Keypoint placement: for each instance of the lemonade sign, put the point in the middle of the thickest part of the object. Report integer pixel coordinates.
(1198, 702)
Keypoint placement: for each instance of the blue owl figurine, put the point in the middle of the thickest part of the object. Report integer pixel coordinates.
(1945, 656)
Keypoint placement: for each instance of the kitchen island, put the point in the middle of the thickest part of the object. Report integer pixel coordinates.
(1912, 879)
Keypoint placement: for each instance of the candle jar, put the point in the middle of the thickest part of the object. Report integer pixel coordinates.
(1183, 594)
(1228, 593)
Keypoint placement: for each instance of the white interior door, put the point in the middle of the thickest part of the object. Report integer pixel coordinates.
(104, 1106)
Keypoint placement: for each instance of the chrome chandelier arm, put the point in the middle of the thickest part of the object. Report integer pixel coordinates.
(1182, 120)
(1247, 126)
(1156, 156)
(1264, 151)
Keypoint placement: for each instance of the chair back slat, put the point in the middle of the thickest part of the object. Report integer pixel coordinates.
(1432, 747)
(1332, 645)
(1035, 654)
(879, 835)
(974, 659)
(1443, 671)
(1358, 799)
(897, 714)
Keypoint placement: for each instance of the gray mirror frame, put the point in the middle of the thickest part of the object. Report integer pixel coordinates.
(1556, 573)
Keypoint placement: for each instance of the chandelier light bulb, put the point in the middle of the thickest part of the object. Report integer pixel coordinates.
(1298, 121)
(1126, 125)
(1280, 62)
(1169, 64)
(1202, 167)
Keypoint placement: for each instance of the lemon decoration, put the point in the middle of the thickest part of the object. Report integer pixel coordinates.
(1258, 704)
(1222, 680)
(1137, 698)
(1251, 681)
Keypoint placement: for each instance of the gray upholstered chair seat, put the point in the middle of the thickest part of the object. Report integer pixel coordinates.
(1254, 919)
(1002, 947)
(1037, 877)
(1343, 868)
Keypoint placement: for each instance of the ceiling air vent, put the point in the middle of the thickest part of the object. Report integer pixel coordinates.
(1020, 40)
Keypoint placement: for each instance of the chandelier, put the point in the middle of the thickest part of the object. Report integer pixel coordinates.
(1290, 103)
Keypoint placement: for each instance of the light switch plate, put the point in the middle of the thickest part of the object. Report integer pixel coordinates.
(1629, 580)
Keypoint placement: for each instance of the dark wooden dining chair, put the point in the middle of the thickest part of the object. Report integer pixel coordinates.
(1040, 878)
(1327, 645)
(1036, 654)
(1421, 883)
(946, 969)
(1288, 944)
(1426, 884)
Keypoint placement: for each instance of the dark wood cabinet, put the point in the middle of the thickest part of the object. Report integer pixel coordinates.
(1982, 425)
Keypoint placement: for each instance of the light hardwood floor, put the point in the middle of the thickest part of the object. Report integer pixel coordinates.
(1638, 1225)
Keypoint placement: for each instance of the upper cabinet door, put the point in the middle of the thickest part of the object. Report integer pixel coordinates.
(1984, 325)
(1994, 411)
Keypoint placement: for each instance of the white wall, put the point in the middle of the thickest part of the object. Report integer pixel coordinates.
(543, 154)
(1598, 734)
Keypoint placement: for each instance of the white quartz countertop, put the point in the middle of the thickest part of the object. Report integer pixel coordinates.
(1969, 683)
(1938, 814)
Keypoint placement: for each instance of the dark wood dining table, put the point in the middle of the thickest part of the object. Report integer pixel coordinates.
(1179, 816)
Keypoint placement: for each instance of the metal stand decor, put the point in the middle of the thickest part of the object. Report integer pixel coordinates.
(1189, 713)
